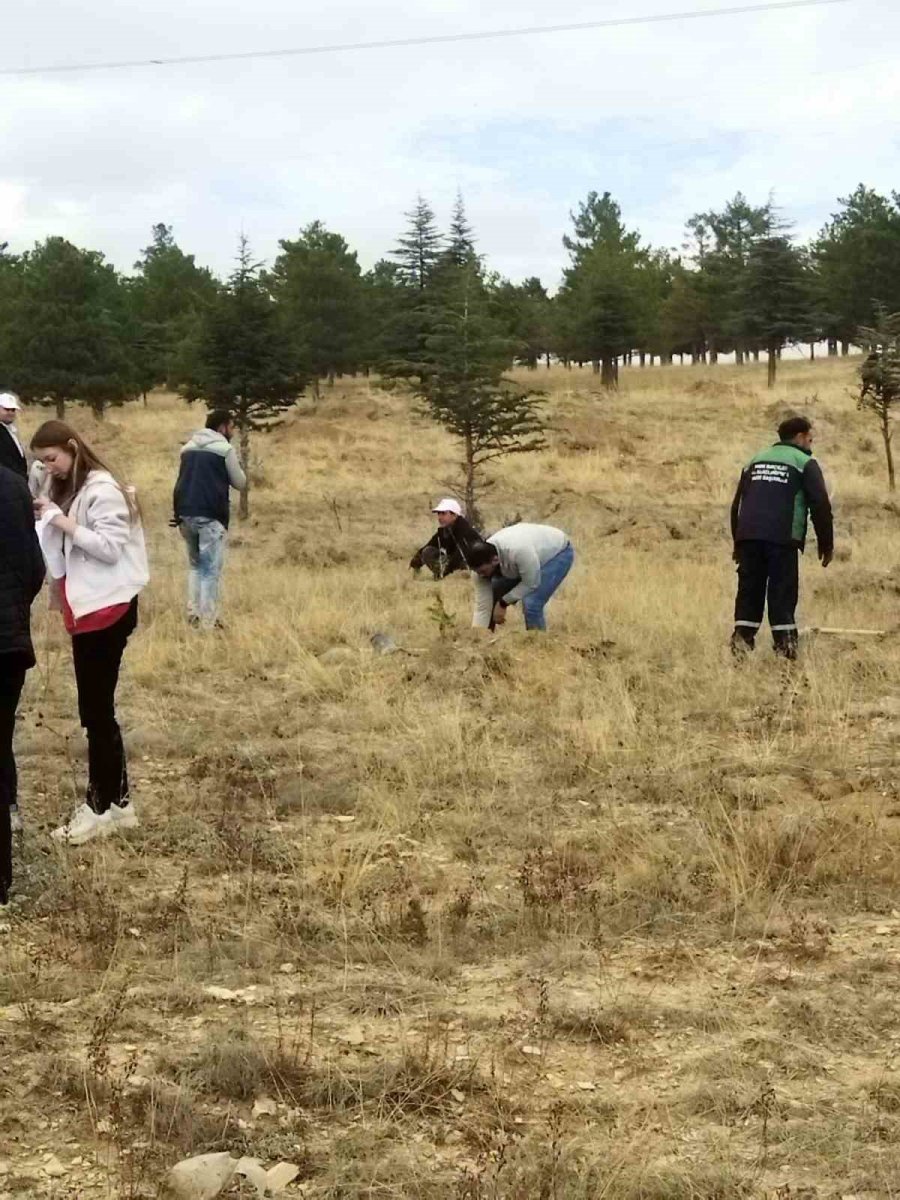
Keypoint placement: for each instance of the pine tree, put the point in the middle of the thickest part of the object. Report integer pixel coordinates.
(11, 266)
(604, 299)
(244, 360)
(598, 221)
(719, 246)
(462, 384)
(419, 250)
(775, 298)
(524, 312)
(879, 391)
(317, 283)
(460, 248)
(66, 335)
(165, 296)
(685, 317)
(418, 263)
(857, 263)
(383, 302)
(655, 277)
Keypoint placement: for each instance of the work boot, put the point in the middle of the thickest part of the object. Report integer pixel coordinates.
(786, 644)
(742, 642)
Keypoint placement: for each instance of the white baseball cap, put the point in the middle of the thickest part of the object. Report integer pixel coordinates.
(448, 504)
(8, 400)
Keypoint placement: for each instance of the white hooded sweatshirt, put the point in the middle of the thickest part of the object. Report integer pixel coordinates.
(105, 563)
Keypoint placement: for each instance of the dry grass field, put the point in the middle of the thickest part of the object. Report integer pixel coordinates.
(587, 915)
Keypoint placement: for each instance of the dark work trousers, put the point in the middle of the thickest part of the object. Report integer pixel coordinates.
(97, 658)
(767, 569)
(12, 679)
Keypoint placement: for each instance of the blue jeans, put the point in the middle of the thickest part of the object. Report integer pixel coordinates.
(552, 575)
(206, 553)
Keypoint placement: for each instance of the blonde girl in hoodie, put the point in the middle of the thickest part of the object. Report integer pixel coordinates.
(89, 527)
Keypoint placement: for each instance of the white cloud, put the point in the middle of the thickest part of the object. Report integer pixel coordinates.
(12, 205)
(672, 118)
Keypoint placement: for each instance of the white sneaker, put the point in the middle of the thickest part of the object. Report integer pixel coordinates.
(15, 819)
(123, 816)
(83, 826)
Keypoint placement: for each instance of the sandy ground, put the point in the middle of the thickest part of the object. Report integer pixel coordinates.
(593, 915)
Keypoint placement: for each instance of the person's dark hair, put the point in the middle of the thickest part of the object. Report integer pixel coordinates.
(480, 554)
(789, 428)
(57, 435)
(218, 417)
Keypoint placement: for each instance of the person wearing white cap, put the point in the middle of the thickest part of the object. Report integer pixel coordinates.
(447, 551)
(12, 452)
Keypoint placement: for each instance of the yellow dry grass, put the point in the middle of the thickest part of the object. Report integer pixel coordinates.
(590, 915)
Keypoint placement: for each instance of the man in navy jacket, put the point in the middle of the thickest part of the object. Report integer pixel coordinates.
(209, 469)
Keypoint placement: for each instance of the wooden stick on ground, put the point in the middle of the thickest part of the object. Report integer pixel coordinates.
(846, 632)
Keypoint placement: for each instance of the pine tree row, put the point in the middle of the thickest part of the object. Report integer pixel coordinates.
(73, 329)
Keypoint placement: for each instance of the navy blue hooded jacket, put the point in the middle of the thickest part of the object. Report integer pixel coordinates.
(209, 467)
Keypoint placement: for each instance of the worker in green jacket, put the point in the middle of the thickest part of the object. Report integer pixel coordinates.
(779, 489)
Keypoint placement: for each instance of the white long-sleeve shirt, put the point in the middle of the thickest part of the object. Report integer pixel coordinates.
(523, 550)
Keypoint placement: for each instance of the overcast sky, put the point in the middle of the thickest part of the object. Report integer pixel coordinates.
(670, 118)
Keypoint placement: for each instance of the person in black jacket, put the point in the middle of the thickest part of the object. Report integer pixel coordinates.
(12, 452)
(451, 547)
(447, 551)
(21, 576)
(779, 489)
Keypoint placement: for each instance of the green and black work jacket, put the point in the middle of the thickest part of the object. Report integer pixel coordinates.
(779, 489)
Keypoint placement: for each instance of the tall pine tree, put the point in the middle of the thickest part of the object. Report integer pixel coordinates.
(524, 311)
(67, 331)
(418, 257)
(244, 360)
(460, 248)
(857, 264)
(456, 361)
(462, 384)
(383, 301)
(879, 391)
(603, 299)
(775, 300)
(11, 267)
(719, 244)
(419, 249)
(165, 295)
(317, 283)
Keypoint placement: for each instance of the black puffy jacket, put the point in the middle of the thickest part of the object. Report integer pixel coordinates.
(451, 545)
(10, 455)
(21, 568)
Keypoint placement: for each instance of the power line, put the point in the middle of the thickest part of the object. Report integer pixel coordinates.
(434, 40)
